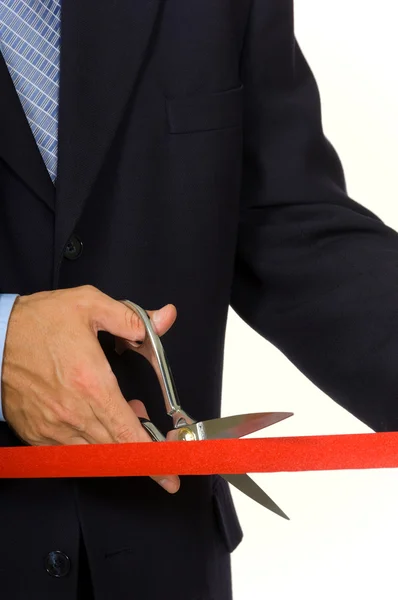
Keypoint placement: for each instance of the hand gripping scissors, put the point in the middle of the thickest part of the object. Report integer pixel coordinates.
(187, 429)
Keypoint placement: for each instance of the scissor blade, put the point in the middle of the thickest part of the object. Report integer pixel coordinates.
(245, 484)
(239, 425)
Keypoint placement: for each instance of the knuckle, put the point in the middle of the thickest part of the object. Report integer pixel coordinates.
(85, 296)
(123, 434)
(89, 289)
(108, 404)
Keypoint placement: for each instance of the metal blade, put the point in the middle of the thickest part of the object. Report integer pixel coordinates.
(245, 484)
(239, 425)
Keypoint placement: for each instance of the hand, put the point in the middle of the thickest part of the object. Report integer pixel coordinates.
(57, 385)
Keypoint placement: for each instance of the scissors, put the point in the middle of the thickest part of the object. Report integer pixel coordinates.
(188, 429)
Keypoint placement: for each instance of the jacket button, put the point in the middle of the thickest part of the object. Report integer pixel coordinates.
(73, 248)
(57, 563)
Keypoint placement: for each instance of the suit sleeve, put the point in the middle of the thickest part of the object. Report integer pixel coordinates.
(316, 273)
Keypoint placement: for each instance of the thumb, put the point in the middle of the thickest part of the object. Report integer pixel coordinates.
(161, 321)
(120, 320)
(163, 318)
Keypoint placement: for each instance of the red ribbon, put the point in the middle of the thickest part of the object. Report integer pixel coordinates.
(256, 455)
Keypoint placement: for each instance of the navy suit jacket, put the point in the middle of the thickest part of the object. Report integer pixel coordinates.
(194, 169)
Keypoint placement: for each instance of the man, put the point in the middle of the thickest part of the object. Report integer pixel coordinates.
(170, 153)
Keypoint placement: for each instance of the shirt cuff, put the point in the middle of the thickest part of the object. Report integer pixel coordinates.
(6, 305)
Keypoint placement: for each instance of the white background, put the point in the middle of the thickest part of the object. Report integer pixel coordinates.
(341, 540)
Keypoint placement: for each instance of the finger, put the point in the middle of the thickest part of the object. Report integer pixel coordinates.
(171, 483)
(85, 424)
(139, 408)
(97, 434)
(70, 441)
(114, 413)
(77, 440)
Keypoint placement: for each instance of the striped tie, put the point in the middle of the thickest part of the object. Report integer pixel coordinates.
(29, 41)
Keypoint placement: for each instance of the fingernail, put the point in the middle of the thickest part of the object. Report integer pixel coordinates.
(169, 485)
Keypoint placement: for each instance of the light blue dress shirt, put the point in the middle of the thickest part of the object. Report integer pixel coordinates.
(6, 305)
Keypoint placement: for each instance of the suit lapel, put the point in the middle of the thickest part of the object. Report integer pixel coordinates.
(18, 147)
(103, 46)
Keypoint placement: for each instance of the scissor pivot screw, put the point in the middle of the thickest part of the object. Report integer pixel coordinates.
(186, 435)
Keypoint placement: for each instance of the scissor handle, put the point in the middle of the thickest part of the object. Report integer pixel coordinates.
(153, 351)
(155, 434)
